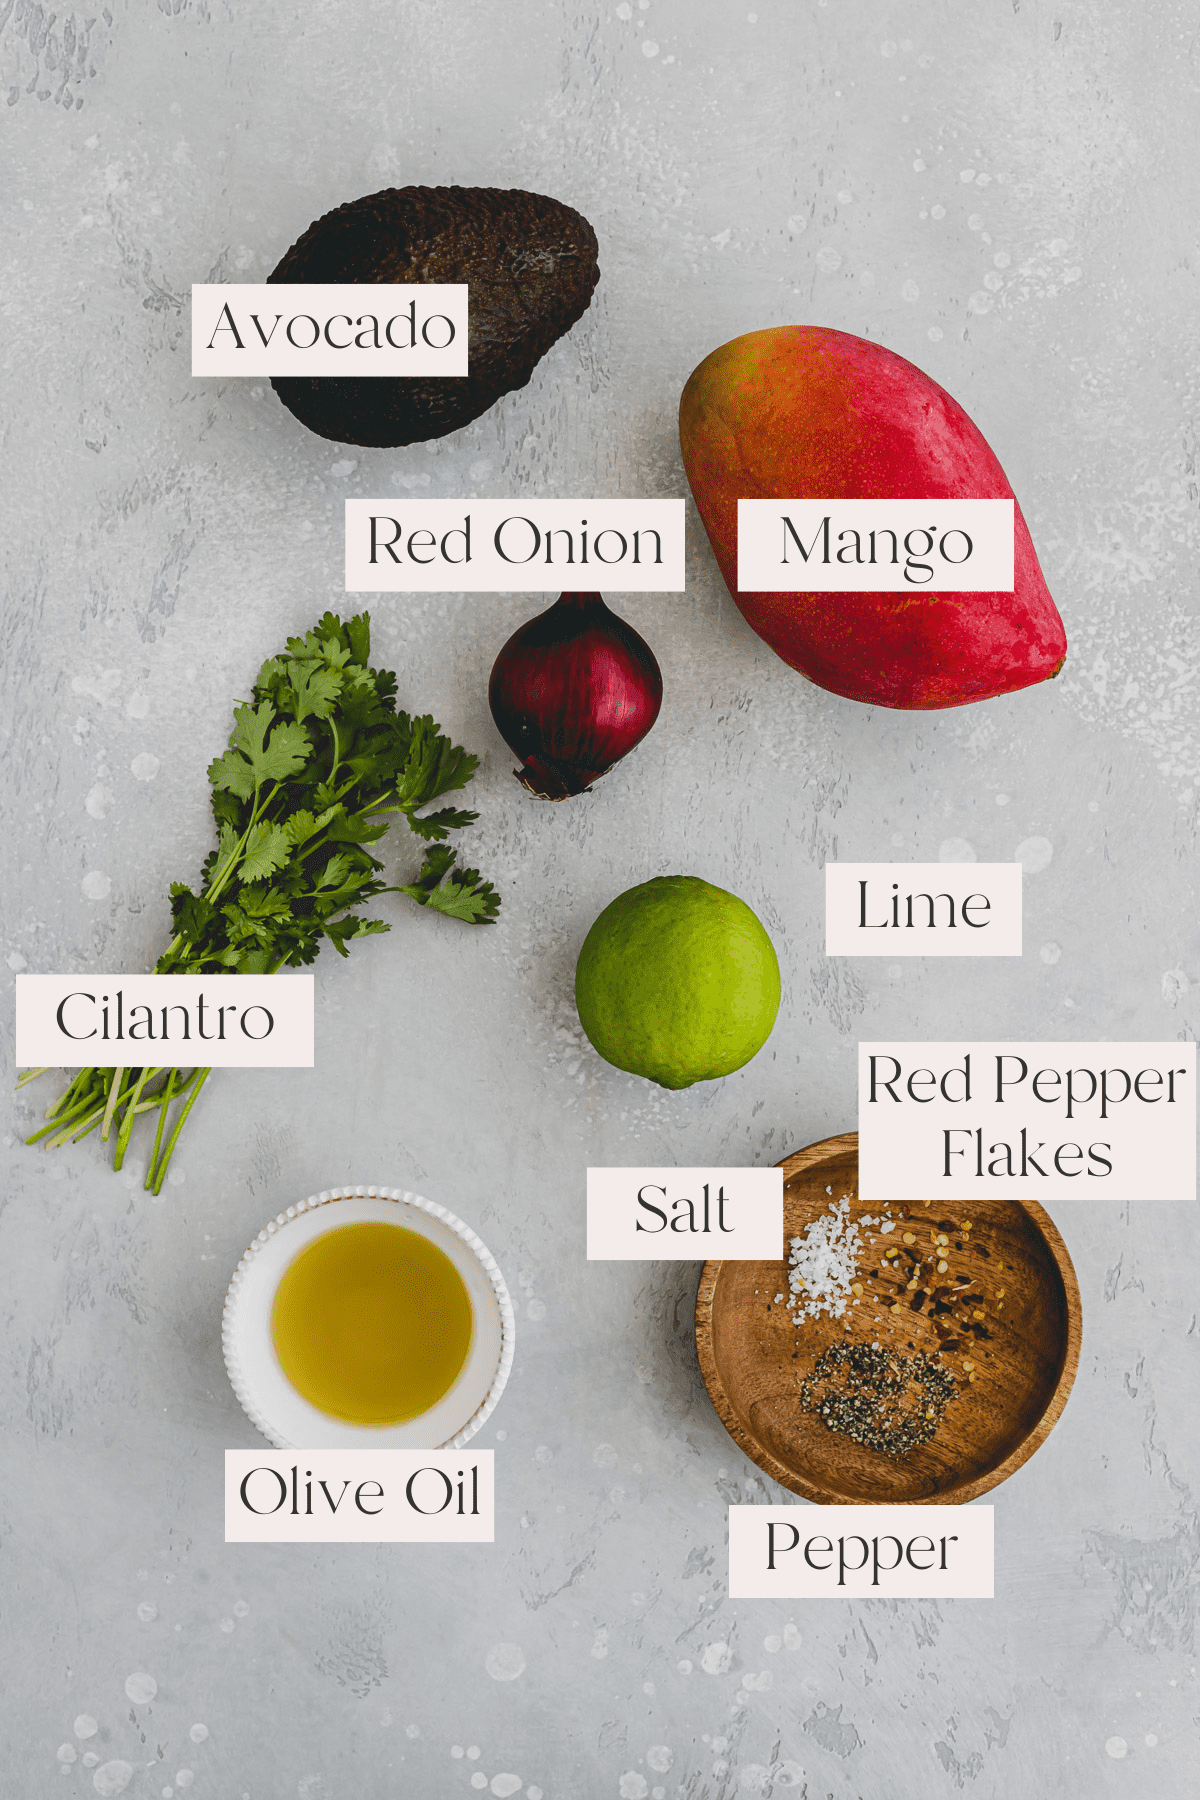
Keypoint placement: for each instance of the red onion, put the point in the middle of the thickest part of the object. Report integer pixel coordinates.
(572, 692)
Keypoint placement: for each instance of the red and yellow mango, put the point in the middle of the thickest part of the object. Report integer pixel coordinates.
(801, 412)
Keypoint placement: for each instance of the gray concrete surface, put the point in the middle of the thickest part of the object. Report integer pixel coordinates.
(1005, 192)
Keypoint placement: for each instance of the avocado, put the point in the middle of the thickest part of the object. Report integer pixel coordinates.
(529, 263)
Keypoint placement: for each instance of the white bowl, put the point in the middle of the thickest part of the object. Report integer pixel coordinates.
(285, 1418)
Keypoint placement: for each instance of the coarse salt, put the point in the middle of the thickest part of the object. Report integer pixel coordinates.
(823, 1263)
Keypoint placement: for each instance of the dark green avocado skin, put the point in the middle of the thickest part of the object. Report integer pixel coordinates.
(530, 265)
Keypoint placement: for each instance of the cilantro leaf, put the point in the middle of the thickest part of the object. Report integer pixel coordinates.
(226, 807)
(232, 771)
(466, 897)
(358, 637)
(264, 903)
(463, 897)
(255, 962)
(433, 766)
(251, 759)
(439, 825)
(439, 859)
(267, 849)
(300, 827)
(341, 932)
(274, 672)
(352, 828)
(190, 912)
(335, 872)
(315, 689)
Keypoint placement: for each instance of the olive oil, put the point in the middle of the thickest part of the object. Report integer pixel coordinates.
(372, 1323)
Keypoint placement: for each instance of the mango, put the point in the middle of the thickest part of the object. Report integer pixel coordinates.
(802, 412)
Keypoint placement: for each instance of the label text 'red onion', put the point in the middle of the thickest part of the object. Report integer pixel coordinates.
(329, 328)
(508, 546)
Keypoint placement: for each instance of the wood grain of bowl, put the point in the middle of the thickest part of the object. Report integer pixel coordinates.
(753, 1356)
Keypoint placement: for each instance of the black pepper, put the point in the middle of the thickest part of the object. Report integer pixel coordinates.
(863, 1389)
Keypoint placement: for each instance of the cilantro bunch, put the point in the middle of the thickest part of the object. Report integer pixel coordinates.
(318, 764)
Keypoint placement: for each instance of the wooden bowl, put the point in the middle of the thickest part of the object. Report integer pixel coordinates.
(754, 1356)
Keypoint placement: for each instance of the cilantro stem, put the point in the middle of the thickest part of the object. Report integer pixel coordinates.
(114, 1094)
(158, 1174)
(164, 1101)
(223, 875)
(89, 1126)
(69, 1131)
(58, 1118)
(131, 1112)
(82, 1084)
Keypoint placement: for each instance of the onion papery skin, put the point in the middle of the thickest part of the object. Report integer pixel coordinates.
(572, 692)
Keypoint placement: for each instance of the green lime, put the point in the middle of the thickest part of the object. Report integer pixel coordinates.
(677, 981)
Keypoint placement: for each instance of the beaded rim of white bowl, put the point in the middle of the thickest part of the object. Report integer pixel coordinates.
(402, 1196)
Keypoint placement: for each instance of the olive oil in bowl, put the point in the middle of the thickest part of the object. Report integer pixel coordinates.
(372, 1323)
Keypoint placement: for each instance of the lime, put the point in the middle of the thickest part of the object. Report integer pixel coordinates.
(677, 981)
